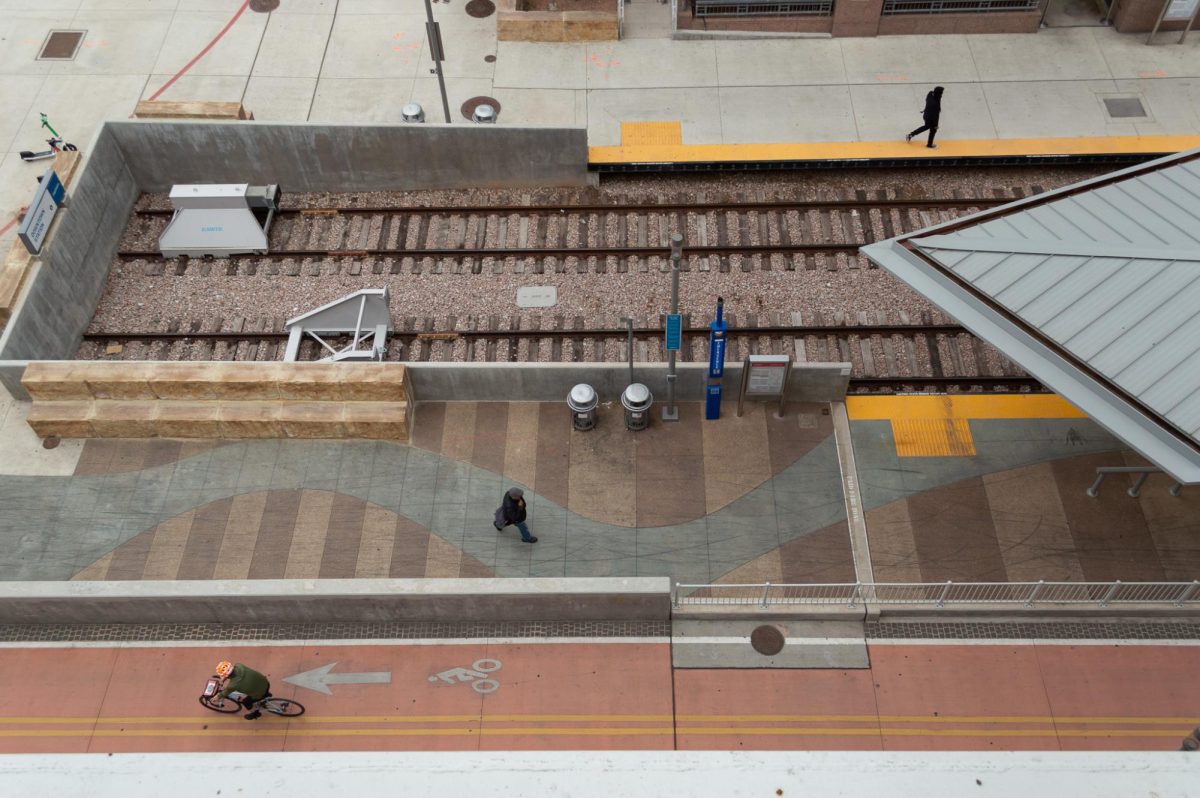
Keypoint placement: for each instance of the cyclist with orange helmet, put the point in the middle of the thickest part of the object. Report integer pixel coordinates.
(245, 685)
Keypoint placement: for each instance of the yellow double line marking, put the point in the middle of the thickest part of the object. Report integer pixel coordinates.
(584, 718)
(661, 724)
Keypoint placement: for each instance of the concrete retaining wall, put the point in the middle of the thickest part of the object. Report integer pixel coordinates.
(330, 600)
(320, 157)
(550, 382)
(66, 286)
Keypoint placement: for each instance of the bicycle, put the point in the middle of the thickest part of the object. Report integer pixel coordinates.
(53, 141)
(212, 699)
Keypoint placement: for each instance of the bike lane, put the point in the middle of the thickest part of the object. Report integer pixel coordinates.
(603, 696)
(545, 696)
(981, 696)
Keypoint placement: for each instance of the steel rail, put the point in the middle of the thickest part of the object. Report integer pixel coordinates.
(747, 250)
(672, 207)
(612, 332)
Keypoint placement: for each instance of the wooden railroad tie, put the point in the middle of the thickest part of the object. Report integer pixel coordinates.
(161, 109)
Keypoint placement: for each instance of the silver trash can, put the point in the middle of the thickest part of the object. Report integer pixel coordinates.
(484, 115)
(583, 402)
(637, 400)
(412, 112)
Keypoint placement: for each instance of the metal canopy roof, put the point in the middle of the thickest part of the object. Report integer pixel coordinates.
(1094, 289)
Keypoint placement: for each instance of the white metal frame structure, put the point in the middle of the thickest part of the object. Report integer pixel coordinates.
(361, 315)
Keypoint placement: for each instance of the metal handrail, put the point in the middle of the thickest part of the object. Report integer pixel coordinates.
(940, 594)
(1135, 489)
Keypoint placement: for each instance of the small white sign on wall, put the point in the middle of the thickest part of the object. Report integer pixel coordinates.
(537, 296)
(1180, 9)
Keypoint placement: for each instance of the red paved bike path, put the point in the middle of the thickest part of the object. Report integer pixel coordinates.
(609, 696)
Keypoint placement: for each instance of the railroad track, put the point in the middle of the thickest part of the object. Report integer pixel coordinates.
(930, 356)
(727, 235)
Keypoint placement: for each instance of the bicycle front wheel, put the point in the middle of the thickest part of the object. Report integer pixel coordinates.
(218, 704)
(283, 706)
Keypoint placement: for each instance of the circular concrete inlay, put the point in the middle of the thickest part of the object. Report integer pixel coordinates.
(468, 108)
(264, 6)
(481, 8)
(767, 640)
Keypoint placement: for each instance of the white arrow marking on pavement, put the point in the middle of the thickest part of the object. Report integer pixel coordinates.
(319, 679)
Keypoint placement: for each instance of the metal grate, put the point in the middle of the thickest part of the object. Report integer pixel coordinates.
(61, 45)
(761, 8)
(381, 630)
(957, 6)
(1124, 107)
(942, 594)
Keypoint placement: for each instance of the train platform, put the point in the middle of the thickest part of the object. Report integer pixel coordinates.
(904, 489)
(645, 98)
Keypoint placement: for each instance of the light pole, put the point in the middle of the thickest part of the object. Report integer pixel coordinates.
(674, 329)
(434, 33)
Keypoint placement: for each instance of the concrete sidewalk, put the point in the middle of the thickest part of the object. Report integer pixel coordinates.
(362, 64)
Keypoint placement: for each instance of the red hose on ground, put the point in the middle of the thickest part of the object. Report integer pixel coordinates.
(202, 53)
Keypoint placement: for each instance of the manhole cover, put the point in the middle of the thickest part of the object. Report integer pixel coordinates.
(767, 640)
(468, 108)
(481, 8)
(51, 443)
(491, 59)
(61, 45)
(264, 6)
(1124, 107)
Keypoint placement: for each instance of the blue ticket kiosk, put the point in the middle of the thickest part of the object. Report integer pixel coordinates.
(716, 363)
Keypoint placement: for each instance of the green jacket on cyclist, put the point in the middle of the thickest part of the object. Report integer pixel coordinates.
(246, 680)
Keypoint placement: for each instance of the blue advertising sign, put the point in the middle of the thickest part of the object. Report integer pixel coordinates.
(674, 332)
(716, 342)
(45, 203)
(716, 353)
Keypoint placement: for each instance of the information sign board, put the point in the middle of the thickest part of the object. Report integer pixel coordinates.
(1181, 10)
(45, 203)
(765, 375)
(674, 332)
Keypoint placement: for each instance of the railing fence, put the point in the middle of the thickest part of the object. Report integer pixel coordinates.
(942, 594)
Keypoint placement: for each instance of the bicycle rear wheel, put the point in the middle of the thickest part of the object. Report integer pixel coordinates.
(283, 706)
(218, 704)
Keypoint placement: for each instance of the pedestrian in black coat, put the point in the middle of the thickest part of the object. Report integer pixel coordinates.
(932, 114)
(512, 511)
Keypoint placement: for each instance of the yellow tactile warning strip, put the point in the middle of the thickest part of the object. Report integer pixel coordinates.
(644, 151)
(889, 408)
(939, 426)
(653, 134)
(931, 437)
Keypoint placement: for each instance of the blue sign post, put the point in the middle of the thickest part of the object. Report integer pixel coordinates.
(45, 203)
(716, 363)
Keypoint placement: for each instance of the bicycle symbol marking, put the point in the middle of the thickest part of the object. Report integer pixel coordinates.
(476, 675)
